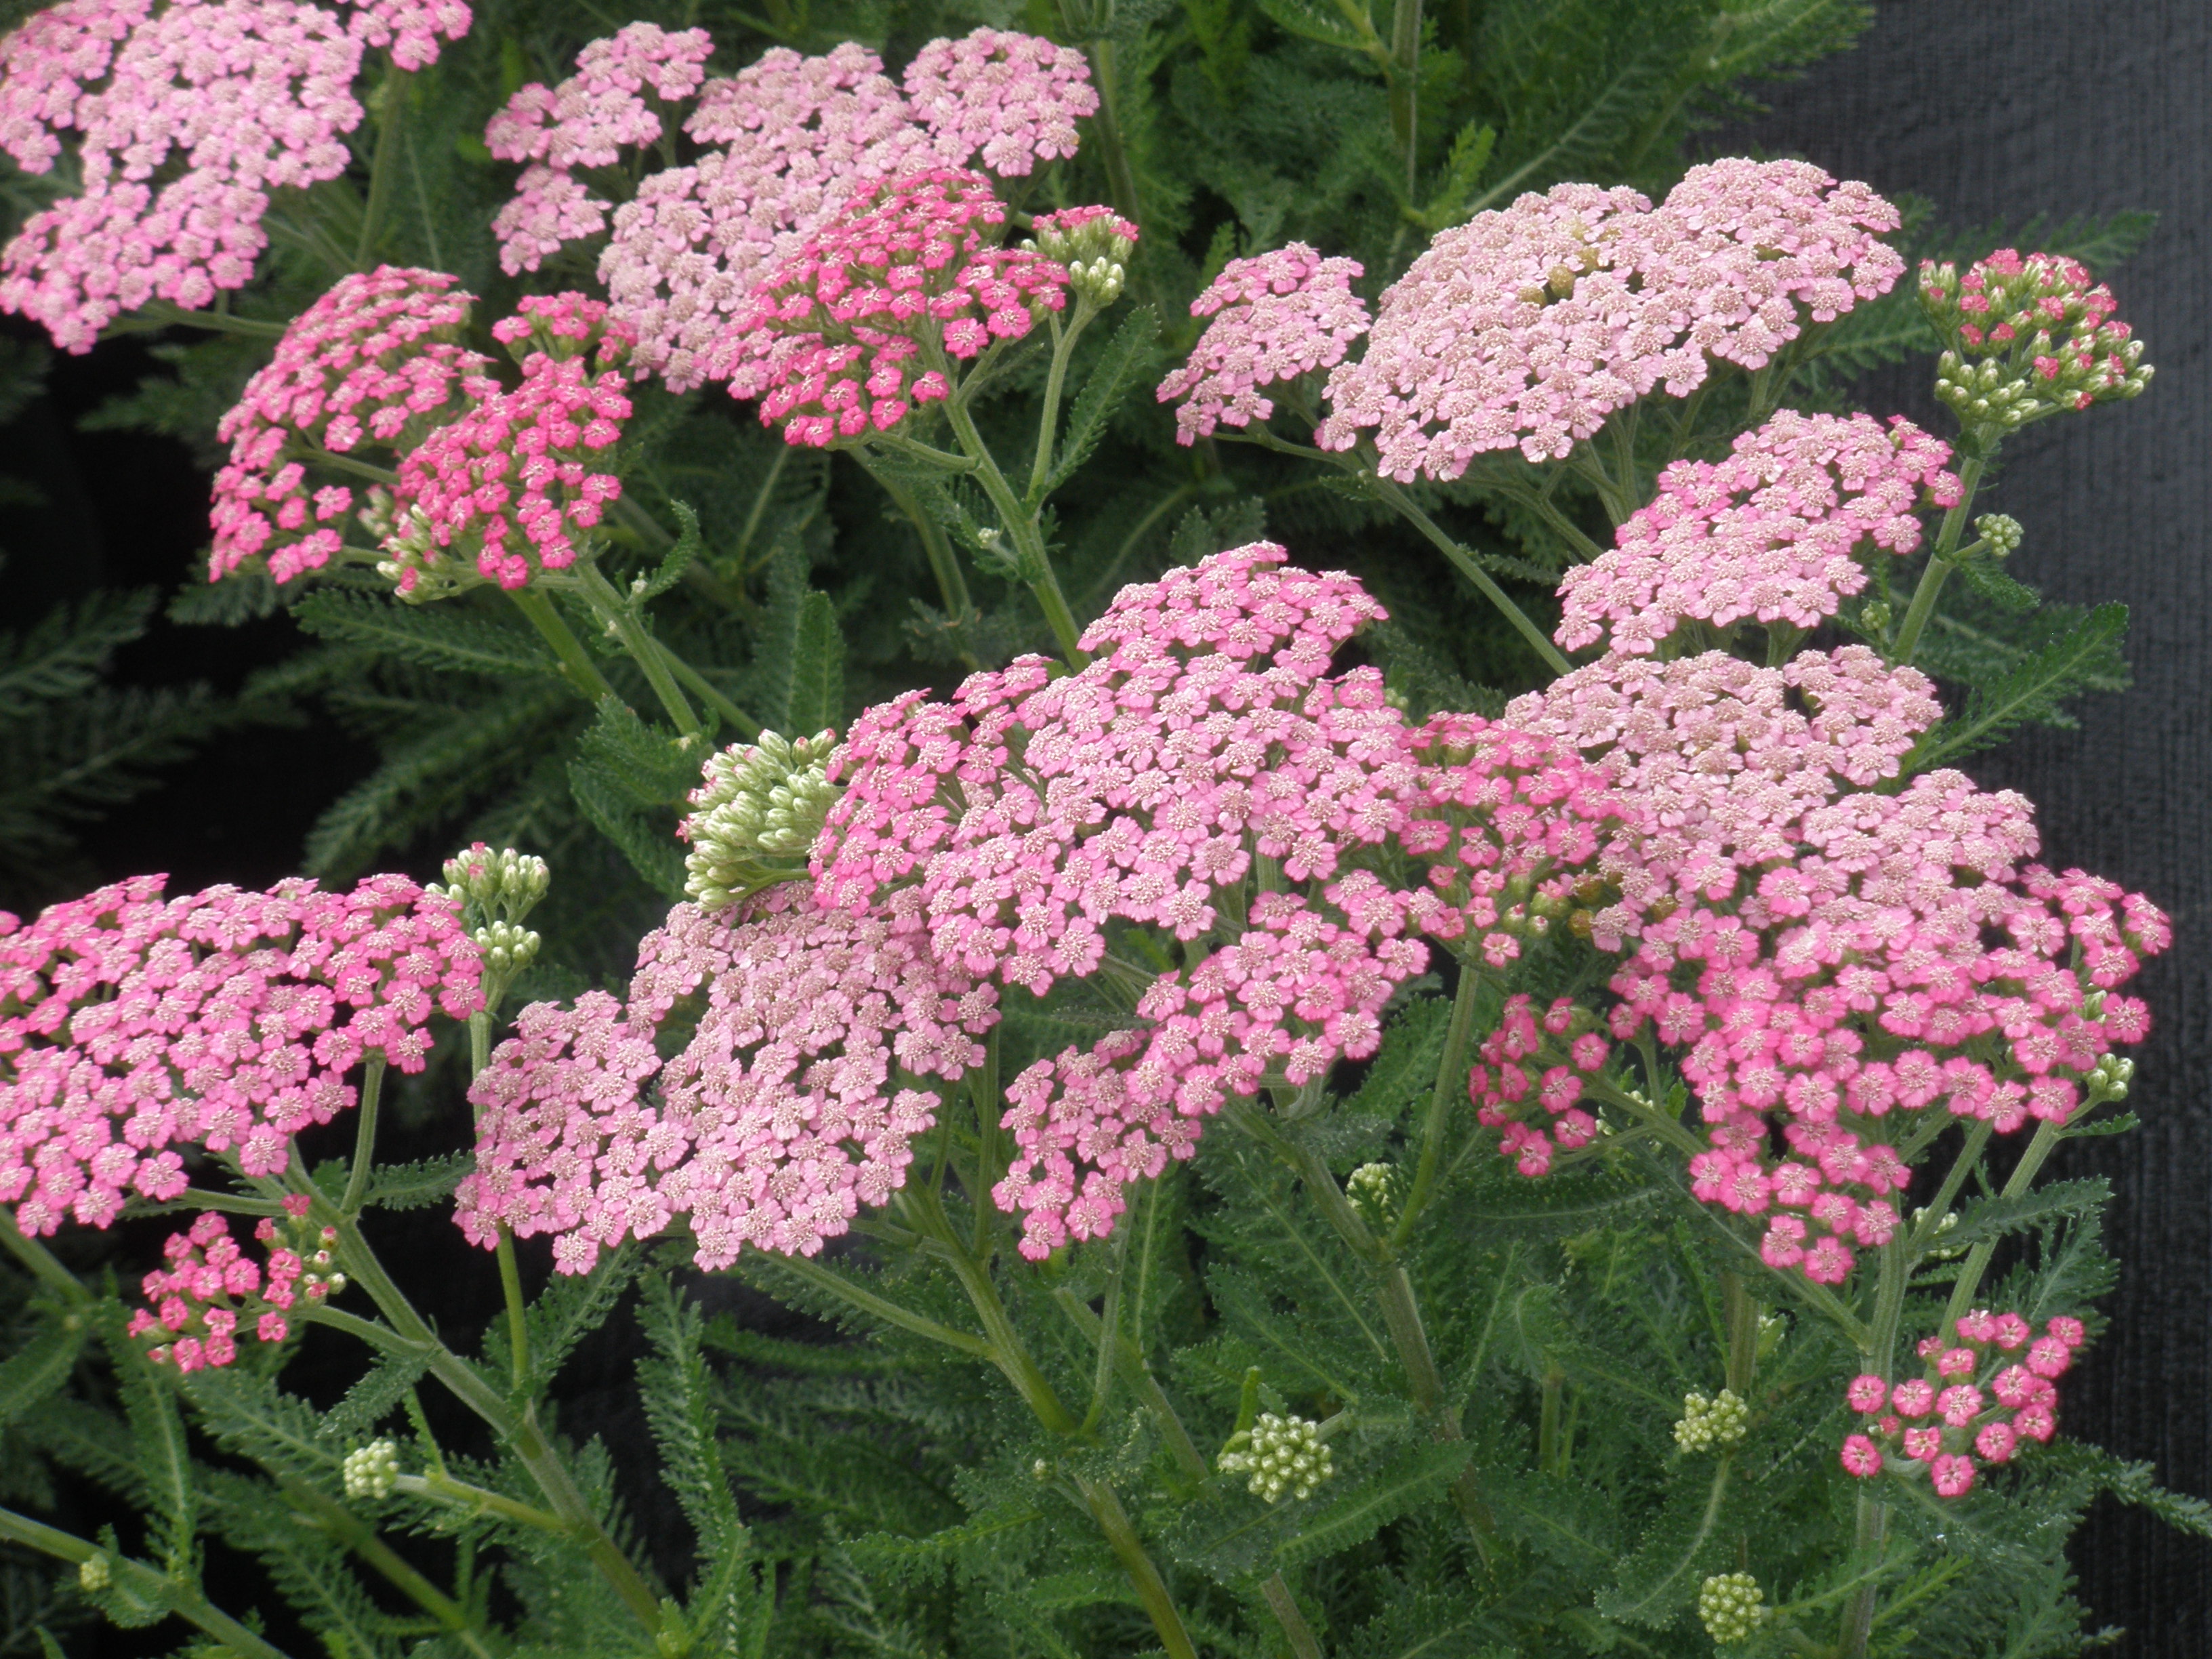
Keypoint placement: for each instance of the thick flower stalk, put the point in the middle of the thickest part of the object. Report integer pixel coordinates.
(1989, 1394)
(614, 100)
(1772, 534)
(507, 490)
(132, 1024)
(866, 321)
(372, 365)
(1277, 316)
(187, 116)
(1529, 326)
(795, 1102)
(2027, 338)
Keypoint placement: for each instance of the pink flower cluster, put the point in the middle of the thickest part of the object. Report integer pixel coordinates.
(1007, 99)
(1505, 1086)
(507, 483)
(1770, 534)
(843, 338)
(584, 123)
(200, 111)
(1530, 324)
(373, 361)
(795, 138)
(1275, 317)
(1982, 1400)
(211, 1286)
(2045, 317)
(131, 1025)
(793, 1103)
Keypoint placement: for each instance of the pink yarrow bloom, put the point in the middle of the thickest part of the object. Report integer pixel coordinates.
(584, 123)
(1771, 534)
(211, 1293)
(1529, 326)
(1990, 1395)
(1276, 317)
(187, 117)
(501, 492)
(1009, 101)
(793, 1104)
(131, 1025)
(835, 344)
(2050, 328)
(372, 364)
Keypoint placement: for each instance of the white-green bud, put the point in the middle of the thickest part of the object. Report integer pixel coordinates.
(1377, 1191)
(1708, 1424)
(1730, 1605)
(373, 1470)
(1936, 1251)
(756, 814)
(1875, 615)
(94, 1574)
(2002, 532)
(506, 948)
(497, 887)
(1095, 250)
(1279, 1454)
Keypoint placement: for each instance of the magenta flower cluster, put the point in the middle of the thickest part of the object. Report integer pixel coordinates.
(505, 486)
(1529, 326)
(789, 140)
(848, 335)
(202, 1299)
(1275, 317)
(1988, 1391)
(187, 116)
(372, 362)
(1768, 535)
(793, 1103)
(132, 1024)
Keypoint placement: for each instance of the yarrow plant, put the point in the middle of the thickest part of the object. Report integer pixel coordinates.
(1360, 1008)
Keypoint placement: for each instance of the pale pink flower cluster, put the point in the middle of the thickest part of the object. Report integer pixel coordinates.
(1769, 535)
(1008, 100)
(1983, 1397)
(507, 484)
(131, 1025)
(411, 29)
(371, 362)
(793, 1103)
(1275, 317)
(841, 335)
(211, 1286)
(201, 110)
(799, 137)
(1530, 324)
(584, 123)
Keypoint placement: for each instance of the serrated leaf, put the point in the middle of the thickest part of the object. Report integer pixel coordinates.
(1121, 365)
(373, 1397)
(652, 852)
(1988, 579)
(248, 1413)
(1349, 24)
(2086, 657)
(1995, 1217)
(164, 1460)
(1661, 1579)
(416, 1186)
(432, 637)
(673, 563)
(571, 1306)
(682, 1410)
(42, 1365)
(1418, 1475)
(65, 651)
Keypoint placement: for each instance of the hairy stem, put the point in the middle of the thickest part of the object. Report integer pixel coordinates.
(477, 1499)
(576, 662)
(889, 1313)
(1063, 345)
(1151, 1590)
(2047, 1137)
(944, 564)
(1871, 1521)
(1405, 75)
(1035, 563)
(141, 1580)
(1285, 1606)
(393, 92)
(44, 1264)
(1742, 1314)
(1465, 562)
(348, 1528)
(364, 1140)
(709, 693)
(616, 613)
(1940, 561)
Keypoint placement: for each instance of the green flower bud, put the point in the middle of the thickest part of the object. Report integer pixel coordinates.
(93, 1573)
(1709, 1425)
(1729, 1605)
(1280, 1454)
(756, 814)
(372, 1471)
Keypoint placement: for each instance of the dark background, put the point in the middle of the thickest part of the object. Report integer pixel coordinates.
(1997, 111)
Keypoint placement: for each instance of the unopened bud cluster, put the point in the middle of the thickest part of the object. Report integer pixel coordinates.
(1731, 1605)
(1377, 1191)
(373, 1470)
(756, 814)
(501, 886)
(1709, 1425)
(2001, 534)
(1094, 243)
(2109, 1077)
(1281, 1454)
(94, 1574)
(2028, 338)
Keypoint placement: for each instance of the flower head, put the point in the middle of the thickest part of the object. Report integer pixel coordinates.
(211, 1292)
(131, 1025)
(756, 817)
(1275, 317)
(2028, 338)
(1011, 99)
(372, 363)
(1979, 1407)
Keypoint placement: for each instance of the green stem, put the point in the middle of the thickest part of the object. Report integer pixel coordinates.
(1540, 503)
(1005, 1348)
(1452, 1080)
(1484, 582)
(1741, 1317)
(745, 726)
(364, 1140)
(167, 313)
(1151, 1590)
(583, 673)
(200, 1198)
(155, 1589)
(1406, 85)
(357, 1535)
(1978, 1138)
(394, 94)
(1285, 1606)
(2047, 1137)
(1130, 1362)
(1028, 541)
(1063, 345)
(1940, 561)
(951, 585)
(44, 1264)
(614, 611)
(439, 1485)
(889, 1313)
(1871, 1523)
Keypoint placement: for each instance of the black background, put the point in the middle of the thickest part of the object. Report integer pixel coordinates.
(1997, 111)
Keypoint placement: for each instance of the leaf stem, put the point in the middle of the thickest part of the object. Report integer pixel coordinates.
(393, 92)
(619, 615)
(889, 1312)
(331, 1516)
(1033, 562)
(582, 672)
(1063, 345)
(45, 1266)
(1151, 1590)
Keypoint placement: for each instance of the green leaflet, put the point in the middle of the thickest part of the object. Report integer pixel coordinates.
(372, 1398)
(1128, 357)
(629, 779)
(249, 1414)
(1996, 1216)
(65, 651)
(416, 1186)
(2075, 656)
(1661, 1578)
(797, 680)
(1418, 1475)
(570, 1308)
(39, 1367)
(451, 636)
(164, 1461)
